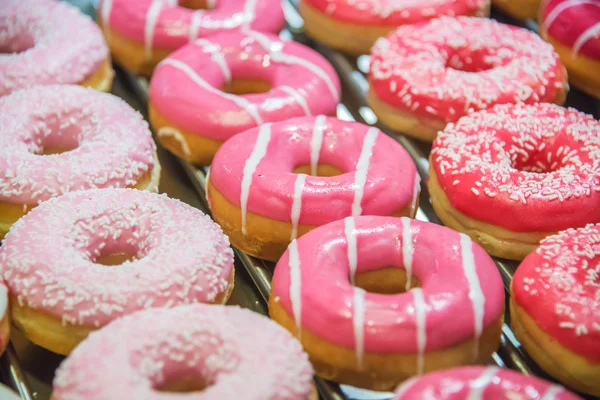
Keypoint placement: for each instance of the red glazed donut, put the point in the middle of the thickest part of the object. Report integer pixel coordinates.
(353, 26)
(424, 76)
(479, 383)
(375, 300)
(510, 176)
(140, 33)
(273, 184)
(573, 28)
(555, 307)
(239, 80)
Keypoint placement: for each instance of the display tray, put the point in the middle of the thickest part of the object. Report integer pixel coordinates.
(29, 369)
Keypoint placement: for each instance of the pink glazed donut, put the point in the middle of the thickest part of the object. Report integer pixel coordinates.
(192, 107)
(375, 300)
(61, 138)
(425, 76)
(480, 383)
(47, 42)
(141, 33)
(273, 184)
(224, 352)
(56, 262)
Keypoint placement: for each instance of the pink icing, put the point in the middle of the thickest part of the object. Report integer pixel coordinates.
(46, 42)
(47, 258)
(388, 187)
(166, 25)
(558, 286)
(112, 143)
(575, 24)
(480, 383)
(396, 12)
(235, 351)
(303, 83)
(527, 168)
(467, 64)
(461, 290)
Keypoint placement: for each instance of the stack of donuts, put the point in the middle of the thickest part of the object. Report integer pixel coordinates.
(131, 285)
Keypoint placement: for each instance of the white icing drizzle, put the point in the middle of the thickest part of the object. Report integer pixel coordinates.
(416, 191)
(216, 55)
(259, 151)
(105, 13)
(240, 101)
(590, 33)
(405, 387)
(358, 321)
(420, 310)
(559, 9)
(315, 143)
(298, 98)
(297, 204)
(274, 50)
(475, 292)
(350, 232)
(552, 392)
(249, 12)
(407, 250)
(195, 24)
(362, 169)
(295, 285)
(477, 386)
(151, 19)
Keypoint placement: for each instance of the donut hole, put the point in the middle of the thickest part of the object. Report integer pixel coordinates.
(322, 170)
(114, 259)
(246, 86)
(16, 44)
(113, 254)
(536, 163)
(388, 280)
(182, 385)
(57, 135)
(472, 62)
(196, 4)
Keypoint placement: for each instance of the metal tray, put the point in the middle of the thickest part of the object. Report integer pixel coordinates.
(29, 369)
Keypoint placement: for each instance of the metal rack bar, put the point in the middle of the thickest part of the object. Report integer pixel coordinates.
(13, 374)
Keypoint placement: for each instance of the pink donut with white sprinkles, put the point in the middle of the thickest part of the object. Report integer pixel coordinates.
(481, 383)
(61, 138)
(299, 82)
(55, 261)
(427, 75)
(45, 42)
(512, 175)
(221, 352)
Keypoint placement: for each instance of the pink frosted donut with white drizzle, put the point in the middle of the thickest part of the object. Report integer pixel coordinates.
(215, 88)
(272, 184)
(555, 307)
(48, 42)
(61, 138)
(491, 383)
(56, 261)
(514, 174)
(425, 76)
(405, 297)
(141, 33)
(354, 25)
(217, 351)
(573, 28)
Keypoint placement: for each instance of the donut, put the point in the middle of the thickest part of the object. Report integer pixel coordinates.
(491, 383)
(8, 394)
(78, 261)
(143, 32)
(226, 352)
(573, 28)
(4, 321)
(353, 26)
(376, 300)
(510, 176)
(60, 138)
(239, 80)
(520, 9)
(555, 307)
(273, 184)
(425, 76)
(48, 42)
